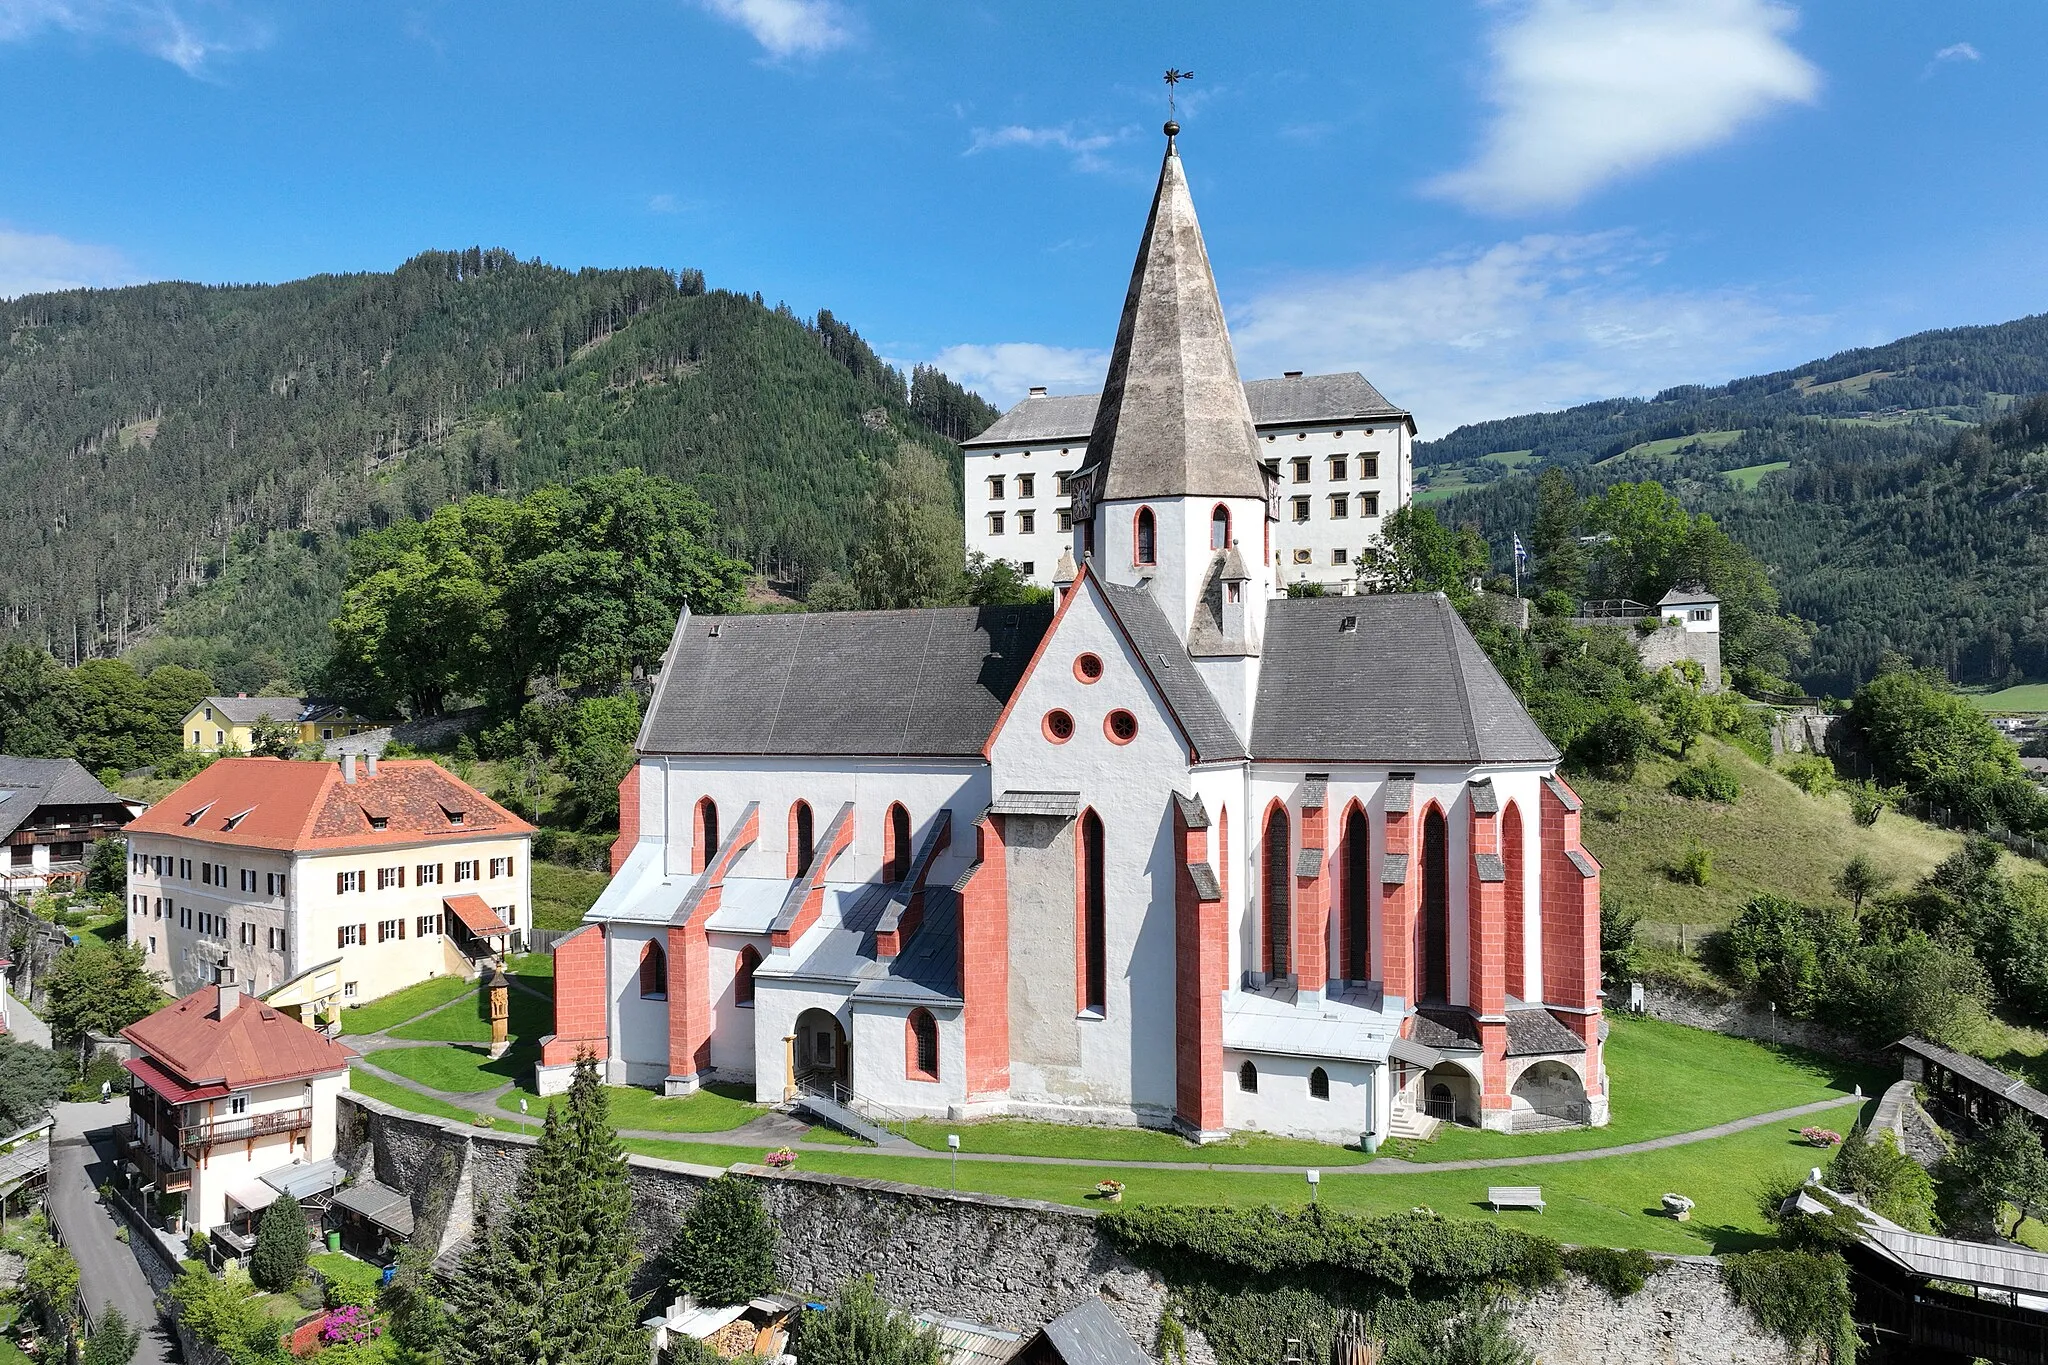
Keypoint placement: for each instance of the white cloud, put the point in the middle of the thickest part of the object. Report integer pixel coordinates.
(1542, 322)
(1007, 370)
(1959, 52)
(37, 263)
(157, 27)
(1587, 91)
(787, 28)
(1083, 147)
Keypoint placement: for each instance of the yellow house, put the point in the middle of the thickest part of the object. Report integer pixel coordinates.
(218, 723)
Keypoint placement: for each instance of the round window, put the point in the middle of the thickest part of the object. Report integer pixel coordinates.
(1121, 726)
(1058, 726)
(1088, 668)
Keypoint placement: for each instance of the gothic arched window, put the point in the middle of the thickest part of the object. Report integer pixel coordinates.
(1147, 548)
(1219, 528)
(653, 972)
(1094, 919)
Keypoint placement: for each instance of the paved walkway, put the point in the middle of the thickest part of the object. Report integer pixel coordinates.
(23, 1024)
(82, 1155)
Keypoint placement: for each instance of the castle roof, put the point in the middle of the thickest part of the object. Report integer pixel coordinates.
(920, 682)
(1295, 400)
(279, 804)
(1172, 419)
(1385, 679)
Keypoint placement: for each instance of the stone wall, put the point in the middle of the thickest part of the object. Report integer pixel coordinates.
(1668, 645)
(1744, 1019)
(1011, 1263)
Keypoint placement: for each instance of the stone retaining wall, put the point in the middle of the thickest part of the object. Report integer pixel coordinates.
(1743, 1019)
(1011, 1263)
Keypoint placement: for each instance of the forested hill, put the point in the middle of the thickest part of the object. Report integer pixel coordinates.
(206, 452)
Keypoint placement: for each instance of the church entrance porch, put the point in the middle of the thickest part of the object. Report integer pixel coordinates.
(1450, 1096)
(824, 1062)
(1549, 1094)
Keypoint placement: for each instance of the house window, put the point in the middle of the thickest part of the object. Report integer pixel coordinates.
(1340, 506)
(1700, 614)
(1340, 468)
(390, 931)
(426, 926)
(219, 737)
(327, 732)
(1027, 568)
(995, 488)
(896, 844)
(1248, 1079)
(345, 882)
(349, 936)
(348, 990)
(921, 1045)
(1340, 555)
(1301, 469)
(390, 877)
(1027, 522)
(465, 869)
(802, 839)
(704, 838)
(206, 874)
(238, 1104)
(653, 972)
(246, 935)
(1146, 550)
(1094, 916)
(1064, 519)
(501, 867)
(1026, 484)
(1301, 509)
(743, 975)
(195, 736)
(277, 940)
(1304, 556)
(995, 523)
(1219, 528)
(1369, 466)
(427, 874)
(1277, 883)
(1319, 1084)
(1371, 504)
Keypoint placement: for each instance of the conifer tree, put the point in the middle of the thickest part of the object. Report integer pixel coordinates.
(724, 1252)
(280, 1254)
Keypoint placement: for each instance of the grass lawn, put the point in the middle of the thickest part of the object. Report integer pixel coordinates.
(1027, 1137)
(400, 1006)
(1513, 459)
(1609, 1201)
(562, 894)
(531, 967)
(1667, 1079)
(2027, 697)
(341, 1268)
(462, 1070)
(398, 1097)
(465, 1021)
(1748, 476)
(1776, 838)
(713, 1109)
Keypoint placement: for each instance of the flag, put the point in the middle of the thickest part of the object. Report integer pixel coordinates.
(1520, 553)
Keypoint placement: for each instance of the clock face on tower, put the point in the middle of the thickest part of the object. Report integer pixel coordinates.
(1083, 496)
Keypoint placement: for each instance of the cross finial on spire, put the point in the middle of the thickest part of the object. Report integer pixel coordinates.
(1174, 76)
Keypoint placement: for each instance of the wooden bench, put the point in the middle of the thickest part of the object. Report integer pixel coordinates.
(1515, 1197)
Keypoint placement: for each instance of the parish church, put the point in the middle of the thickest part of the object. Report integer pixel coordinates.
(1173, 850)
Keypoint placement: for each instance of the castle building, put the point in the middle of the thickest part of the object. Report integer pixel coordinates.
(1340, 452)
(1175, 850)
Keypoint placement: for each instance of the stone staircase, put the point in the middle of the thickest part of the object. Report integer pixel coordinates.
(1408, 1122)
(844, 1110)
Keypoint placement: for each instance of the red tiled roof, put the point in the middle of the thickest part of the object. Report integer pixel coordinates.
(279, 804)
(253, 1045)
(169, 1086)
(475, 914)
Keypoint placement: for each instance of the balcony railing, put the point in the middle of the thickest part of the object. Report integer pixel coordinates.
(196, 1137)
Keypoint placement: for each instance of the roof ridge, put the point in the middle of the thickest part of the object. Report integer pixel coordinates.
(1458, 674)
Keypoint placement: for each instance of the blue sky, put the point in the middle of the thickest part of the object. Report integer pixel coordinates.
(1487, 207)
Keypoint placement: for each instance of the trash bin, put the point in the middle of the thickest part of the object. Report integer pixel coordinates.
(334, 1241)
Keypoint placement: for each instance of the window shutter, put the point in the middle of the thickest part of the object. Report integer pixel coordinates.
(364, 932)
(401, 931)
(338, 882)
(364, 879)
(401, 876)
(508, 867)
(341, 938)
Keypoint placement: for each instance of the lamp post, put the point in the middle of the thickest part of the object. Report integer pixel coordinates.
(953, 1147)
(1315, 1178)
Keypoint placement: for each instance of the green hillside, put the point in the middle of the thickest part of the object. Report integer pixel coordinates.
(188, 462)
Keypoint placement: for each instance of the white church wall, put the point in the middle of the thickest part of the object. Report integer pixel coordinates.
(778, 1002)
(1283, 1104)
(881, 1059)
(1122, 1064)
(639, 1026)
(732, 1023)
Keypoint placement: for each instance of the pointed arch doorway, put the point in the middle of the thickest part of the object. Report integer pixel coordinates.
(824, 1062)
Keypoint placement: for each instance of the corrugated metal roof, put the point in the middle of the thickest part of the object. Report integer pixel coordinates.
(972, 1343)
(304, 1179)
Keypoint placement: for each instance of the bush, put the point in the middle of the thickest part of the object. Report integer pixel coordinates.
(1620, 1273)
(1891, 1183)
(1708, 780)
(1800, 1296)
(724, 1252)
(279, 1257)
(1812, 774)
(348, 1291)
(860, 1329)
(1695, 866)
(1615, 743)
(1867, 802)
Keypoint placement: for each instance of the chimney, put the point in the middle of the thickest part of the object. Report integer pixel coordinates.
(241, 694)
(1290, 374)
(1038, 390)
(230, 999)
(370, 757)
(348, 768)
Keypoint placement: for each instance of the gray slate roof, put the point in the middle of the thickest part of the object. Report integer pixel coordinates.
(1687, 594)
(1187, 696)
(1536, 1033)
(31, 783)
(1091, 1335)
(1409, 685)
(1981, 1074)
(930, 682)
(925, 972)
(1173, 419)
(249, 710)
(1297, 400)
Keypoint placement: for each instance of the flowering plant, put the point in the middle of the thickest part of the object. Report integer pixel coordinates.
(782, 1158)
(1821, 1137)
(350, 1326)
(1109, 1187)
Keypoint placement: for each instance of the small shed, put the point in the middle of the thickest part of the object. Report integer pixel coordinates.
(373, 1219)
(1085, 1335)
(1968, 1090)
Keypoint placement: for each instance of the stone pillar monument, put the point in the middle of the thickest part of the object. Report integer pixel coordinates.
(497, 991)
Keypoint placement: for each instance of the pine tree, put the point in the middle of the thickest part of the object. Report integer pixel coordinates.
(548, 1283)
(114, 1343)
(724, 1252)
(280, 1255)
(1560, 560)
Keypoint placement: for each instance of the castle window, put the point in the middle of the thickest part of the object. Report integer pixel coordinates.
(1304, 556)
(1146, 550)
(1061, 482)
(1058, 726)
(1340, 468)
(921, 1045)
(653, 972)
(896, 844)
(1027, 522)
(1094, 920)
(1340, 555)
(1301, 509)
(743, 975)
(1064, 519)
(1369, 466)
(1319, 1084)
(1301, 469)
(1026, 485)
(995, 523)
(1370, 504)
(1248, 1079)
(801, 839)
(704, 837)
(995, 488)
(1340, 506)
(1219, 528)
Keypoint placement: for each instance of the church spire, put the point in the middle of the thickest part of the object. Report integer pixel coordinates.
(1172, 421)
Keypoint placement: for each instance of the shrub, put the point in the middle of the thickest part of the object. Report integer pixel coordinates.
(1620, 1273)
(1708, 780)
(1615, 743)
(280, 1254)
(724, 1252)
(1695, 866)
(1884, 1178)
(860, 1329)
(1866, 802)
(1801, 1296)
(349, 1291)
(1812, 774)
